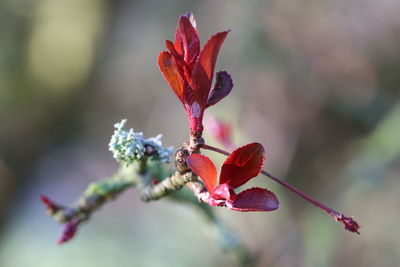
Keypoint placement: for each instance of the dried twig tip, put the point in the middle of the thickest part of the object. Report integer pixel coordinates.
(51, 207)
(349, 224)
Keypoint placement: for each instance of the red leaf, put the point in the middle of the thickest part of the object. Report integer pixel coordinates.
(190, 16)
(169, 69)
(178, 43)
(172, 50)
(224, 192)
(255, 199)
(223, 86)
(181, 64)
(205, 168)
(189, 38)
(242, 164)
(203, 69)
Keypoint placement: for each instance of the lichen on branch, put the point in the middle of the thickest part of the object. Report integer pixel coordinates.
(128, 146)
(141, 166)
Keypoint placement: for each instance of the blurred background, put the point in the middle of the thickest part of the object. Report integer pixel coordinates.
(316, 82)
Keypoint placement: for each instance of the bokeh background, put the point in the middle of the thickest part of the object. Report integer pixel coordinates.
(316, 82)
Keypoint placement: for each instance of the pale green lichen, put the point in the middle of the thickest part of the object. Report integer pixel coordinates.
(128, 146)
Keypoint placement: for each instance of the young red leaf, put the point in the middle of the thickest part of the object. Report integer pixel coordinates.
(178, 43)
(203, 69)
(172, 50)
(209, 54)
(255, 199)
(242, 164)
(189, 38)
(205, 168)
(223, 86)
(182, 67)
(170, 71)
(191, 18)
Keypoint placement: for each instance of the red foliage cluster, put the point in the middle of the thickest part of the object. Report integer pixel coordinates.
(242, 165)
(189, 71)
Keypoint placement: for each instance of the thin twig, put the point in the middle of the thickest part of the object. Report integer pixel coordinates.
(348, 222)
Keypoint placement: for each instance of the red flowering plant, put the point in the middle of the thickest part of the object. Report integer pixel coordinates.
(189, 71)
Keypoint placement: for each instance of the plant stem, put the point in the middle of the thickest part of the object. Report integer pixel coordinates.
(348, 222)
